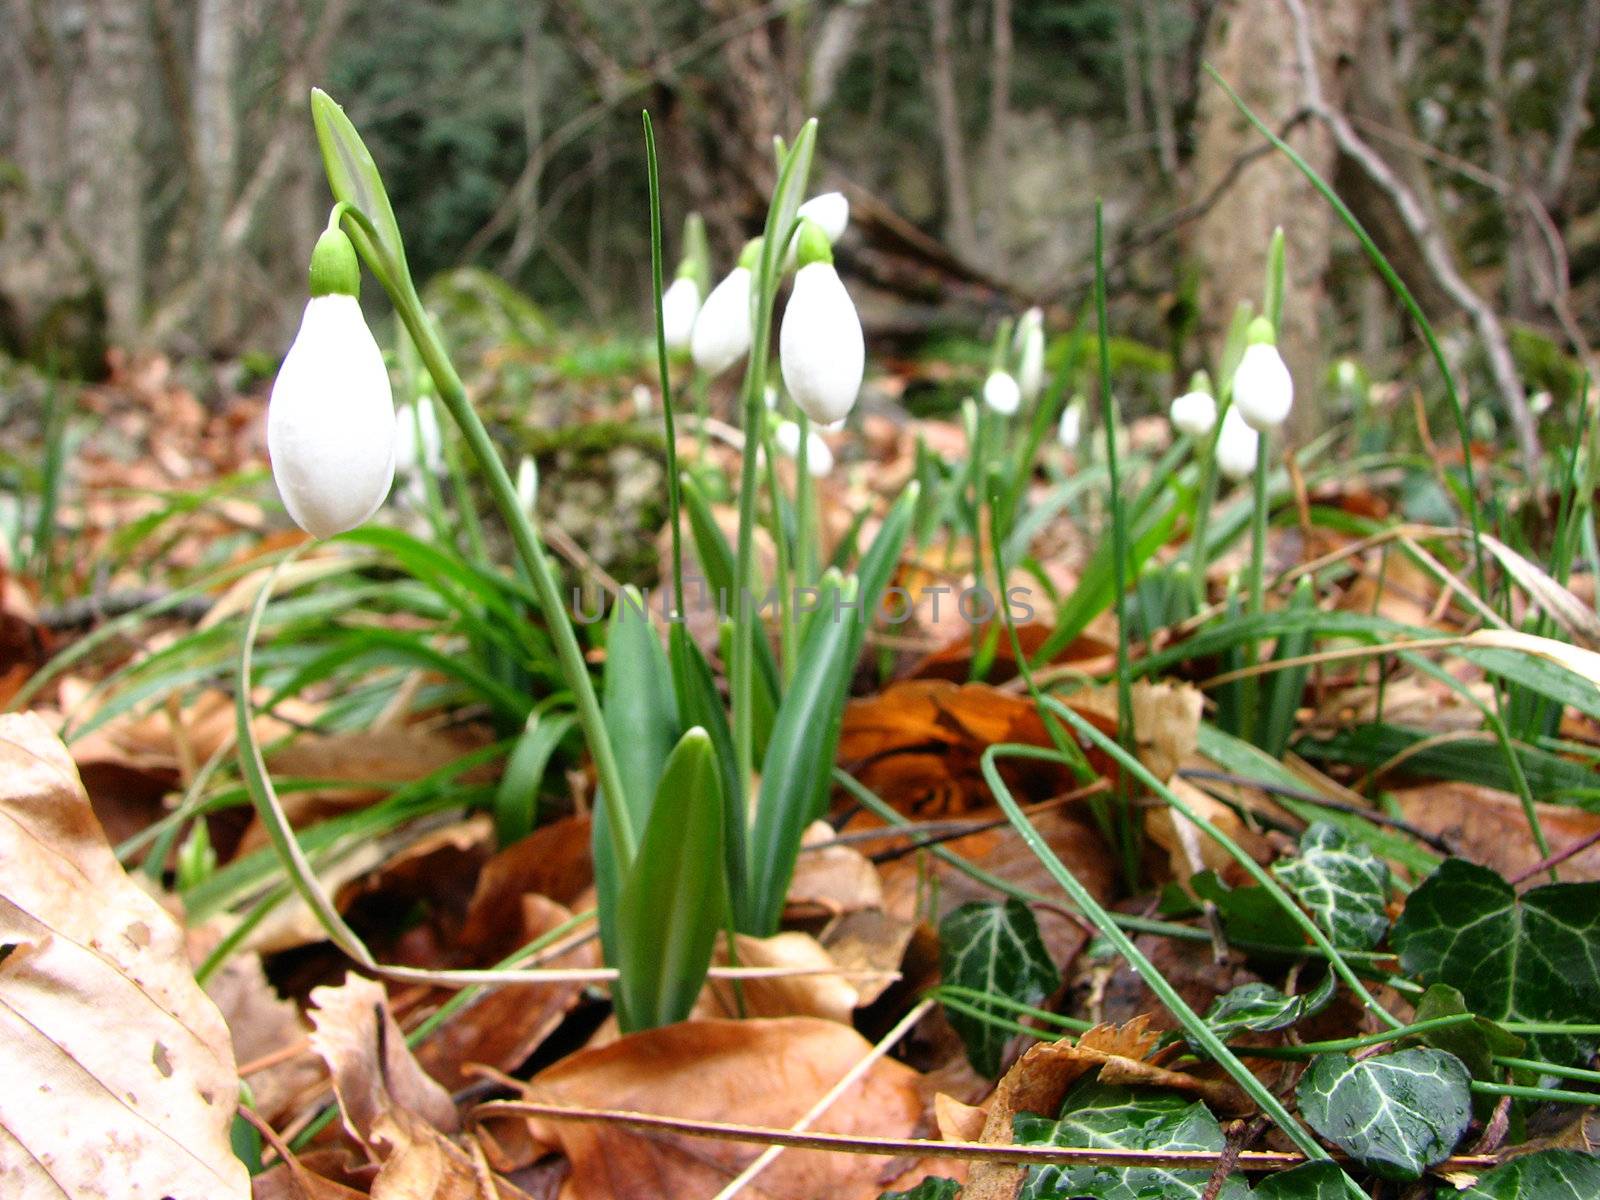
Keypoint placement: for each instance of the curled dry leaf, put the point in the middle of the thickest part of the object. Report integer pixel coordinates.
(756, 1072)
(129, 1085)
(832, 879)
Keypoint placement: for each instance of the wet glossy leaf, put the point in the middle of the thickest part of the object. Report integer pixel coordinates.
(1475, 1043)
(1342, 884)
(994, 948)
(1542, 1175)
(1261, 1008)
(1095, 1115)
(935, 1187)
(1397, 1114)
(1530, 958)
(1249, 914)
(1314, 1181)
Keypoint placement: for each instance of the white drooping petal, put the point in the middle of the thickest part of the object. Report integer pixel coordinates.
(1030, 362)
(680, 304)
(1001, 393)
(819, 459)
(418, 440)
(820, 347)
(1262, 388)
(769, 396)
(330, 422)
(1194, 413)
(831, 210)
(1069, 431)
(1237, 446)
(721, 335)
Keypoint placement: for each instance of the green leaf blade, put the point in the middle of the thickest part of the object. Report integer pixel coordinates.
(993, 948)
(1397, 1114)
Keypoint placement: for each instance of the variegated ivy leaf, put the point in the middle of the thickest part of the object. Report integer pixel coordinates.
(1542, 1175)
(934, 1187)
(1343, 885)
(1260, 1007)
(1101, 1116)
(1397, 1114)
(994, 948)
(1312, 1181)
(1533, 957)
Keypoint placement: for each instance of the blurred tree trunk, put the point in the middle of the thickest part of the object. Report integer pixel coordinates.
(216, 153)
(105, 192)
(960, 230)
(999, 129)
(1253, 49)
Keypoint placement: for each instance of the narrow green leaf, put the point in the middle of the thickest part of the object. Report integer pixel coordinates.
(1342, 884)
(1104, 1117)
(672, 903)
(993, 948)
(1397, 1114)
(1534, 957)
(699, 703)
(516, 801)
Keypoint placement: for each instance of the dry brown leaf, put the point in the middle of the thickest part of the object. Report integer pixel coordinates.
(1489, 827)
(958, 1122)
(760, 1072)
(869, 940)
(831, 879)
(263, 1024)
(127, 1080)
(1166, 721)
(1189, 849)
(826, 996)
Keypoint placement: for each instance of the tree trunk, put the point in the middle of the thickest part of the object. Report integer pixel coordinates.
(216, 145)
(999, 131)
(1253, 49)
(962, 234)
(105, 195)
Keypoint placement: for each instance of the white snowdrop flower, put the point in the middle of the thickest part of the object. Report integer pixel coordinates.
(1237, 446)
(1029, 346)
(1001, 393)
(819, 459)
(820, 347)
(418, 440)
(833, 426)
(1262, 388)
(527, 484)
(680, 304)
(721, 335)
(831, 211)
(330, 421)
(1069, 430)
(1194, 414)
(642, 400)
(769, 395)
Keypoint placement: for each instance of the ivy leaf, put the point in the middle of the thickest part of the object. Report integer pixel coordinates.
(1312, 1181)
(1261, 1008)
(1249, 914)
(1102, 1116)
(1475, 1042)
(993, 948)
(1397, 1114)
(1530, 958)
(1342, 883)
(934, 1187)
(1543, 1175)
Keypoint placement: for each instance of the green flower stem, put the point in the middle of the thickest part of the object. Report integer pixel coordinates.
(1340, 1045)
(673, 502)
(453, 394)
(1544, 1068)
(1128, 829)
(953, 991)
(1194, 1025)
(1538, 1094)
(788, 627)
(806, 517)
(1256, 596)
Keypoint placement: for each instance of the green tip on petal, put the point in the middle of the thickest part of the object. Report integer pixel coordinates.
(811, 244)
(751, 254)
(335, 270)
(1200, 382)
(1260, 333)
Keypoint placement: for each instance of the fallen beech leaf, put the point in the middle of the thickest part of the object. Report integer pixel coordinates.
(126, 1081)
(958, 1122)
(869, 940)
(834, 879)
(1166, 721)
(1190, 850)
(759, 1072)
(1490, 828)
(826, 996)
(373, 1071)
(262, 1024)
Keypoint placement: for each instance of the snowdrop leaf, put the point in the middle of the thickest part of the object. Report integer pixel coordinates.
(1343, 885)
(1534, 957)
(1101, 1116)
(994, 948)
(1397, 1114)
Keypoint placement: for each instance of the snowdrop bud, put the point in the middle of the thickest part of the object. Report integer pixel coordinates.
(330, 421)
(1030, 354)
(831, 211)
(820, 347)
(769, 396)
(721, 335)
(680, 303)
(1237, 446)
(1262, 388)
(1070, 430)
(527, 484)
(418, 441)
(642, 400)
(819, 459)
(1194, 413)
(1001, 393)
